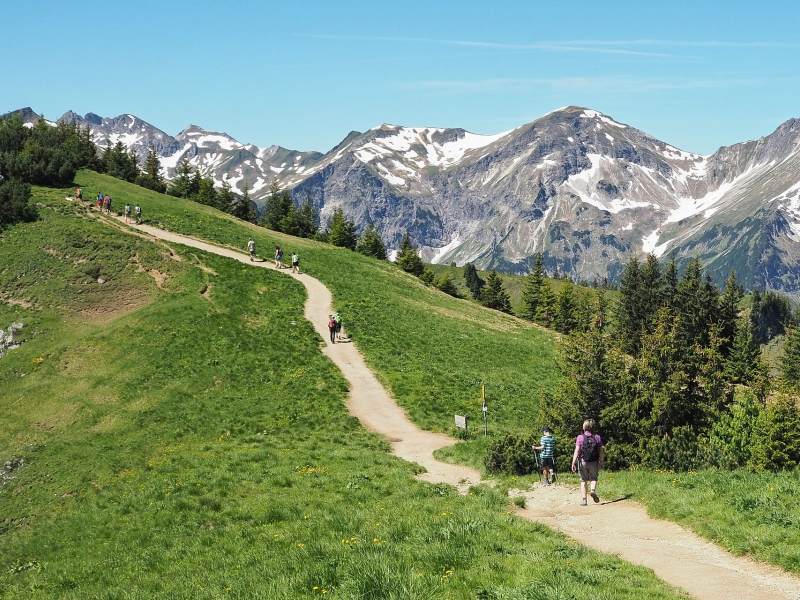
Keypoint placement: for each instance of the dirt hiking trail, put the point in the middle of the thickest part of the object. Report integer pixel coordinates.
(621, 527)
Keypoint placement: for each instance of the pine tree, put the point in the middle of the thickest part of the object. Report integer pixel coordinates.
(546, 308)
(629, 310)
(532, 292)
(445, 283)
(307, 220)
(669, 286)
(151, 177)
(341, 231)
(225, 197)
(729, 311)
(566, 318)
(206, 194)
(182, 182)
(473, 280)
(276, 208)
(690, 303)
(790, 360)
(371, 244)
(744, 354)
(651, 294)
(241, 207)
(494, 294)
(408, 258)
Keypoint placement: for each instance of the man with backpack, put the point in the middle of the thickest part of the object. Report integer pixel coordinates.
(138, 212)
(587, 459)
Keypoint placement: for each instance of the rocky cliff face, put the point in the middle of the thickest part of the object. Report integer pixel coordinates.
(581, 188)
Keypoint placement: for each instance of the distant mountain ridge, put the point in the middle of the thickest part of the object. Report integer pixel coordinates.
(582, 188)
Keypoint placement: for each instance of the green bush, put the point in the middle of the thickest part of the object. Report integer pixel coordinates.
(677, 452)
(775, 435)
(729, 441)
(512, 454)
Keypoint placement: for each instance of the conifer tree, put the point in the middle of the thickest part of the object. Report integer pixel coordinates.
(729, 311)
(206, 194)
(690, 300)
(532, 292)
(566, 318)
(546, 308)
(182, 182)
(473, 280)
(651, 293)
(242, 207)
(276, 208)
(494, 294)
(669, 287)
(408, 258)
(307, 219)
(790, 360)
(629, 310)
(341, 231)
(445, 283)
(744, 353)
(225, 197)
(371, 244)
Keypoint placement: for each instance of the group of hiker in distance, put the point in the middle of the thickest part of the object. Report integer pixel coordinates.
(103, 204)
(587, 459)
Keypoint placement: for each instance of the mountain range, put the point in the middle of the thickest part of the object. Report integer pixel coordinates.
(576, 185)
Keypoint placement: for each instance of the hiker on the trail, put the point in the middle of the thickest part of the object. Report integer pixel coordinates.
(138, 212)
(107, 202)
(332, 328)
(78, 193)
(588, 458)
(295, 263)
(100, 200)
(251, 248)
(337, 319)
(127, 213)
(278, 257)
(547, 447)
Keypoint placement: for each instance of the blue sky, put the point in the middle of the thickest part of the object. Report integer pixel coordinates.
(303, 74)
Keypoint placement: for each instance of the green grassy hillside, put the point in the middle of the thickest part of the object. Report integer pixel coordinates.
(183, 436)
(514, 284)
(431, 349)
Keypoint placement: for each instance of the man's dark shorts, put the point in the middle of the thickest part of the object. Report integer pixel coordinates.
(548, 463)
(588, 470)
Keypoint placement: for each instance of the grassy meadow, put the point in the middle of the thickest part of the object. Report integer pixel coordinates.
(183, 437)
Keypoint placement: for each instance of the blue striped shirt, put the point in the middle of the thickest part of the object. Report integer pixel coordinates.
(548, 444)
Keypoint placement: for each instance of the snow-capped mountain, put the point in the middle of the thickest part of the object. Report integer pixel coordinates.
(582, 188)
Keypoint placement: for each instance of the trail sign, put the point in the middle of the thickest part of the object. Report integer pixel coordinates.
(462, 422)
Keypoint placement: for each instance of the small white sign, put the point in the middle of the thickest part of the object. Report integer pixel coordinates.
(461, 421)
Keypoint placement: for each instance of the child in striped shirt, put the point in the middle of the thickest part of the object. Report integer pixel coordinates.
(547, 447)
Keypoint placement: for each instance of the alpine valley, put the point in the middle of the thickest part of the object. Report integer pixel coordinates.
(576, 185)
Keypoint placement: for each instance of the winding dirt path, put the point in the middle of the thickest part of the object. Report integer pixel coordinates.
(676, 555)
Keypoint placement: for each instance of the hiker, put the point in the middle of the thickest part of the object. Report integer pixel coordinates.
(138, 212)
(588, 458)
(127, 213)
(332, 328)
(295, 263)
(547, 447)
(78, 193)
(100, 200)
(337, 319)
(278, 257)
(251, 248)
(107, 202)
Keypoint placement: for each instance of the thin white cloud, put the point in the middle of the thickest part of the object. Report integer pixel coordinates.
(548, 46)
(616, 84)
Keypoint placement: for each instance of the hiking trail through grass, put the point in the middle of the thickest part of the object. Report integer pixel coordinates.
(621, 527)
